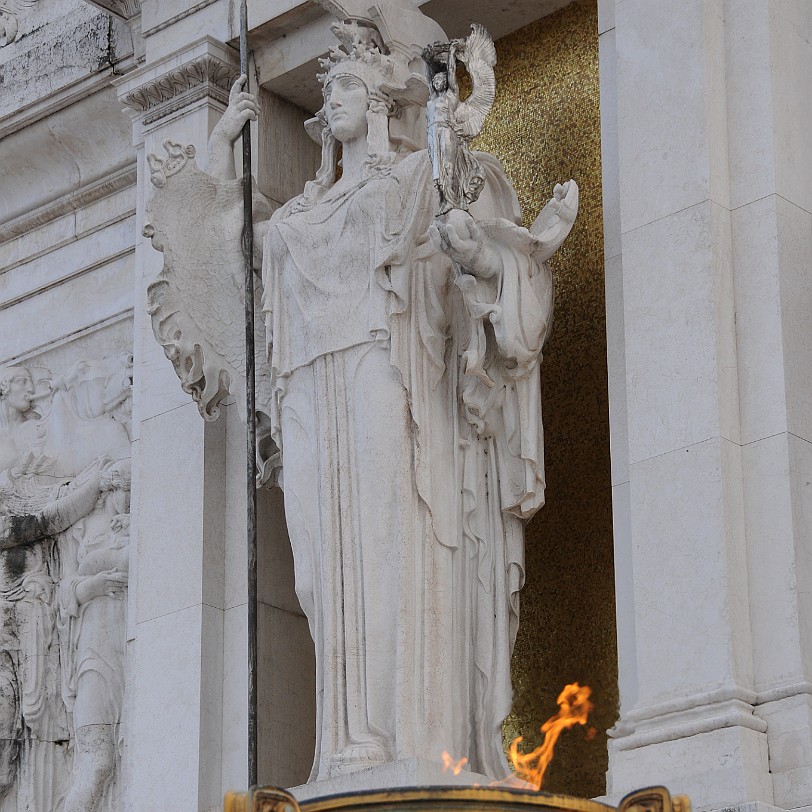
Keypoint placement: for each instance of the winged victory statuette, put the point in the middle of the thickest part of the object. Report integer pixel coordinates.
(452, 123)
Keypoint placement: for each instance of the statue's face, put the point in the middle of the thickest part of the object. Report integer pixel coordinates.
(439, 82)
(346, 107)
(19, 390)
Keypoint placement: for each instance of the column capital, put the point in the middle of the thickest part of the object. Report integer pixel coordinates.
(205, 69)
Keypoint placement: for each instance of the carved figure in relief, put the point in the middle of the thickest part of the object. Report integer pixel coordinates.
(92, 602)
(452, 123)
(10, 11)
(64, 472)
(400, 384)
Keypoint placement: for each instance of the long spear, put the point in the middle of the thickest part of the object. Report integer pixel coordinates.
(250, 411)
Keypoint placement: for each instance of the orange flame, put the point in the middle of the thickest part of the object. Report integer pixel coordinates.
(574, 708)
(452, 764)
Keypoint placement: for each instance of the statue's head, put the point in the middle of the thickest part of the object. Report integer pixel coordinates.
(360, 88)
(440, 81)
(378, 82)
(16, 388)
(346, 104)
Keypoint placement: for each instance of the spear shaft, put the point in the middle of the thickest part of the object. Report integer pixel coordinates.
(250, 411)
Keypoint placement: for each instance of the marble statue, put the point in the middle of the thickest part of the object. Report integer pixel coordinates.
(453, 123)
(397, 387)
(64, 472)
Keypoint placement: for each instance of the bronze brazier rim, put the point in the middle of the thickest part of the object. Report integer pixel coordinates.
(439, 798)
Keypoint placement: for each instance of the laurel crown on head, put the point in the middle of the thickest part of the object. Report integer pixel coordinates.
(361, 51)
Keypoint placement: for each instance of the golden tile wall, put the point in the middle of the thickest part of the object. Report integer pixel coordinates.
(545, 127)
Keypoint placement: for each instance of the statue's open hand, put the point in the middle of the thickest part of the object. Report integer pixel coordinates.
(557, 217)
(457, 235)
(242, 107)
(565, 200)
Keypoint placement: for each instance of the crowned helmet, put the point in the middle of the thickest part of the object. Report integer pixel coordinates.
(381, 44)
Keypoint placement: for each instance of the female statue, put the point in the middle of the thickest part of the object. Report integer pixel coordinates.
(402, 389)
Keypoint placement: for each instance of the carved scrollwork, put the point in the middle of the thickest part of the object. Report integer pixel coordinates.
(124, 9)
(163, 168)
(204, 76)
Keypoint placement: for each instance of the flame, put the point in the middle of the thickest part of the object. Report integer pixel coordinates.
(452, 764)
(573, 709)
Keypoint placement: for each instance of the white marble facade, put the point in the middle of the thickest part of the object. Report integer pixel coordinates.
(707, 163)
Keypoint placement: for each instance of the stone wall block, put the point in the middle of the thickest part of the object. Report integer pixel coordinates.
(680, 339)
(685, 506)
(672, 134)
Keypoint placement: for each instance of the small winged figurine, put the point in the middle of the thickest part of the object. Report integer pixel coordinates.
(453, 123)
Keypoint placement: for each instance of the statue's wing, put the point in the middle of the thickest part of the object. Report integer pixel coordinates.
(196, 303)
(479, 57)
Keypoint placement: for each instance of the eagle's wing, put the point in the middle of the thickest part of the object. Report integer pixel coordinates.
(479, 58)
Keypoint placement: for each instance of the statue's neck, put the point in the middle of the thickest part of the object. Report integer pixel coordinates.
(9, 418)
(354, 155)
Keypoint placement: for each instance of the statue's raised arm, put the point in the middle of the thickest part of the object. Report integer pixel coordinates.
(452, 123)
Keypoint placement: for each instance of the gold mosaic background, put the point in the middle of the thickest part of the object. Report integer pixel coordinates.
(545, 128)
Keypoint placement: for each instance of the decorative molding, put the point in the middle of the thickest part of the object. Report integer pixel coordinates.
(123, 9)
(64, 97)
(203, 76)
(82, 197)
(177, 18)
(700, 699)
(33, 353)
(733, 713)
(784, 692)
(85, 269)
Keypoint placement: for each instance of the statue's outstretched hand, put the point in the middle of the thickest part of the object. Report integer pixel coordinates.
(242, 107)
(555, 222)
(457, 235)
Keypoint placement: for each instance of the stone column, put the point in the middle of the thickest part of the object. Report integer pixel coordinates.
(709, 239)
(179, 608)
(769, 58)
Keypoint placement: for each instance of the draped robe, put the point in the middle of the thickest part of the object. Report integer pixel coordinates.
(405, 400)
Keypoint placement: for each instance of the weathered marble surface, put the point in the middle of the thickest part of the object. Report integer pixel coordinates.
(64, 516)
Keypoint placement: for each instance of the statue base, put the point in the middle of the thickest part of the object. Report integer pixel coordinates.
(408, 772)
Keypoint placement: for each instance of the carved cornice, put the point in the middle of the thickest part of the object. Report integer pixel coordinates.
(81, 197)
(123, 9)
(203, 76)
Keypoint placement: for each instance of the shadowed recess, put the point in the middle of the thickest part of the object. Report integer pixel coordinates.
(545, 128)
